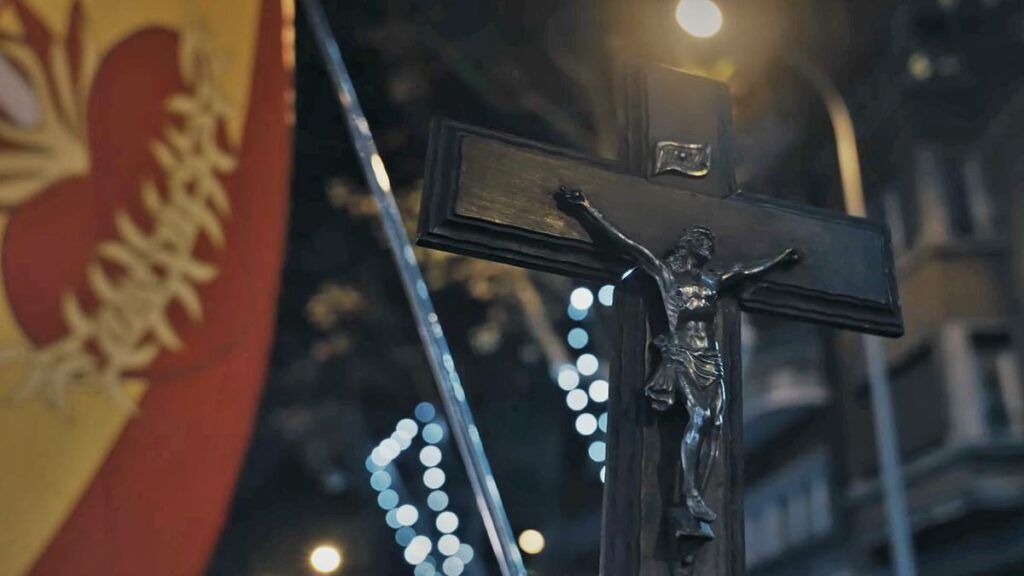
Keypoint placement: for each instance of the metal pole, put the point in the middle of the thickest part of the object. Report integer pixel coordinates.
(453, 397)
(901, 537)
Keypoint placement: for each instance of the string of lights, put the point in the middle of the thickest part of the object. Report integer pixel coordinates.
(419, 537)
(585, 386)
(424, 542)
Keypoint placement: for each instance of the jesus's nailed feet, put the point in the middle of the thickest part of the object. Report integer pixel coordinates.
(687, 527)
(691, 535)
(698, 508)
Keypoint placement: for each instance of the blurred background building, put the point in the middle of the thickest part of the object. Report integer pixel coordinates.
(342, 451)
(937, 103)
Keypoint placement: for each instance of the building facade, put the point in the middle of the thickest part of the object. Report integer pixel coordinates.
(938, 102)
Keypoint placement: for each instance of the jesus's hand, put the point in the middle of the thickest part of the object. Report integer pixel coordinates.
(791, 256)
(571, 198)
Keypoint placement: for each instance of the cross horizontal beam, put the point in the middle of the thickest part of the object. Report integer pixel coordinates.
(490, 195)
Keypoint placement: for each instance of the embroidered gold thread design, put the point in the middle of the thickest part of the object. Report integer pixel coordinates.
(137, 277)
(56, 146)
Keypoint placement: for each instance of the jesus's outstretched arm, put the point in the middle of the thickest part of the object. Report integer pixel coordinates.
(744, 273)
(576, 203)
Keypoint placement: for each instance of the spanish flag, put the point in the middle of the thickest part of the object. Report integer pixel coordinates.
(143, 174)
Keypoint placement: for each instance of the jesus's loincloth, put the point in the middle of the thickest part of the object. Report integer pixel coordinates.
(701, 368)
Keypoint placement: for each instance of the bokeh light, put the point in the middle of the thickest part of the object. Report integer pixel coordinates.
(577, 338)
(407, 428)
(425, 412)
(424, 569)
(387, 499)
(452, 567)
(417, 550)
(325, 559)
(430, 456)
(433, 478)
(587, 364)
(465, 553)
(404, 535)
(433, 433)
(531, 542)
(586, 424)
(380, 480)
(447, 522)
(581, 298)
(407, 515)
(391, 518)
(448, 544)
(568, 378)
(437, 501)
(576, 400)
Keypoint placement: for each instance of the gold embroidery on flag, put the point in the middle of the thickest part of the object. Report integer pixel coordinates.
(56, 146)
(137, 277)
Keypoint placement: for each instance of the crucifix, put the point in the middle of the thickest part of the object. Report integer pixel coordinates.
(670, 209)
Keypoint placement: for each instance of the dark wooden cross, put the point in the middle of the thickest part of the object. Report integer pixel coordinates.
(491, 196)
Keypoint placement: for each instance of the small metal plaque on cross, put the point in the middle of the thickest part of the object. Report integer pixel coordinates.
(669, 207)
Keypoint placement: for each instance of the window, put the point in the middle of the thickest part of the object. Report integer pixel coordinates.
(979, 198)
(999, 384)
(968, 205)
(958, 206)
(950, 195)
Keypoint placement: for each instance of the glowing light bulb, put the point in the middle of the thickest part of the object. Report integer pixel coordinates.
(700, 18)
(325, 559)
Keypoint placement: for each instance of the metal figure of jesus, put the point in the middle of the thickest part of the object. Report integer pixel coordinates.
(691, 363)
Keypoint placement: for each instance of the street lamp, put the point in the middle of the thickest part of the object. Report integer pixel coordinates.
(700, 18)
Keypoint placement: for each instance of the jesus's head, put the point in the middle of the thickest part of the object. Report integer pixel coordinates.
(695, 247)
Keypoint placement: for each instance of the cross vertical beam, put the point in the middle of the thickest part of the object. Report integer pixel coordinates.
(642, 471)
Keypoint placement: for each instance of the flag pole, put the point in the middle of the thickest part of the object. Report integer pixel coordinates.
(453, 397)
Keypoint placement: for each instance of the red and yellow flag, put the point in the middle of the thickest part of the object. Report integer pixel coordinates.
(143, 176)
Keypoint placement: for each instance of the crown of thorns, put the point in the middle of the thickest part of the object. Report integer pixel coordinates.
(694, 234)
